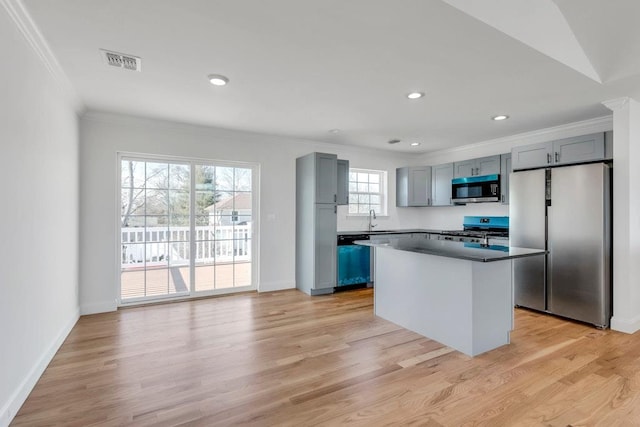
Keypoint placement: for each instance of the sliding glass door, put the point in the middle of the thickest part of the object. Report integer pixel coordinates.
(224, 218)
(186, 228)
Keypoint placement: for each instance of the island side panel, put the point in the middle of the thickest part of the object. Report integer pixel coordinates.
(427, 294)
(492, 305)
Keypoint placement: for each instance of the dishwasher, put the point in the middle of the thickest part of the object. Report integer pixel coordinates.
(354, 261)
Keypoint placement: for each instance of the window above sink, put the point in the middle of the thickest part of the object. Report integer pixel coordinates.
(367, 191)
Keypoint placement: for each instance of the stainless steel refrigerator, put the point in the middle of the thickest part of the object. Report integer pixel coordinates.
(567, 211)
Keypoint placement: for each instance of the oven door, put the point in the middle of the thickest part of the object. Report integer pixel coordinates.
(475, 189)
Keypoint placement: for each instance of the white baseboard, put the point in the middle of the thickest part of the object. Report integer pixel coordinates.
(98, 307)
(275, 286)
(11, 407)
(628, 326)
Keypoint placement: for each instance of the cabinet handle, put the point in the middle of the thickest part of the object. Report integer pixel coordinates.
(335, 209)
(548, 158)
(428, 202)
(335, 198)
(557, 156)
(503, 198)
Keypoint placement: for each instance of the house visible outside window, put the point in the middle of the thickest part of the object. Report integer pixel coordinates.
(367, 190)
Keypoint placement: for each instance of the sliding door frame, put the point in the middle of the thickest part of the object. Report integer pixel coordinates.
(192, 161)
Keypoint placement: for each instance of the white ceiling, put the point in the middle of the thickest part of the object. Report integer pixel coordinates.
(300, 68)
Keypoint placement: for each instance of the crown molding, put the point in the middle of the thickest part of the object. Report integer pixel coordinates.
(616, 104)
(129, 119)
(599, 124)
(21, 17)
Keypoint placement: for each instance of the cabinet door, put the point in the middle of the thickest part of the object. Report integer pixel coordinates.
(441, 176)
(343, 182)
(464, 168)
(505, 170)
(531, 156)
(488, 165)
(402, 187)
(579, 149)
(326, 178)
(420, 186)
(325, 246)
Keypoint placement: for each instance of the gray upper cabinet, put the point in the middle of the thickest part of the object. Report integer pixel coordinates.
(578, 149)
(531, 156)
(475, 167)
(608, 145)
(505, 170)
(413, 186)
(488, 165)
(464, 168)
(326, 177)
(441, 176)
(343, 182)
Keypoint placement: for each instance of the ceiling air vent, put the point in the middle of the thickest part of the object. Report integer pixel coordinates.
(121, 60)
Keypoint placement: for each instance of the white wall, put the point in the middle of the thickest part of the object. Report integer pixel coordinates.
(38, 217)
(103, 135)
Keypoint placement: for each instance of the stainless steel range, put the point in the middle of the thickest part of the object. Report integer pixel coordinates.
(480, 229)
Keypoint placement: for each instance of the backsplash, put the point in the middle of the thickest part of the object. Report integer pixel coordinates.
(438, 218)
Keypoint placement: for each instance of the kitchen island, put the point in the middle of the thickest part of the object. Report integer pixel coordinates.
(460, 294)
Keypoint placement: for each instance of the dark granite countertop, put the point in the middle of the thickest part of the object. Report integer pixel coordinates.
(445, 248)
(383, 232)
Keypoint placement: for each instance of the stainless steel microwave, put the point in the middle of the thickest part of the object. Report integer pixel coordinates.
(474, 189)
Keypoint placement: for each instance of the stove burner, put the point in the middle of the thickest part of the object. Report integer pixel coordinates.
(476, 233)
(478, 236)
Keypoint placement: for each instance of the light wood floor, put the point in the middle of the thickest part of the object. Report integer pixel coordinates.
(285, 358)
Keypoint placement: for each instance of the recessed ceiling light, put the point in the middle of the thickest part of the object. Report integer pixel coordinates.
(334, 131)
(393, 141)
(415, 95)
(218, 80)
(500, 117)
(415, 144)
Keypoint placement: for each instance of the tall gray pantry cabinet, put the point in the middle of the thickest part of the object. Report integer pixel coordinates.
(316, 222)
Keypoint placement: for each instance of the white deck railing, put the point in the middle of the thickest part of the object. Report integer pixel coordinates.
(162, 245)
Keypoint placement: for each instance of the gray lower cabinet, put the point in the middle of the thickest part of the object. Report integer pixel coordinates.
(577, 149)
(316, 223)
(441, 176)
(413, 186)
(475, 167)
(505, 170)
(325, 248)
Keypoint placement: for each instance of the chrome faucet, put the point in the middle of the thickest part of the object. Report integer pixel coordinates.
(372, 216)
